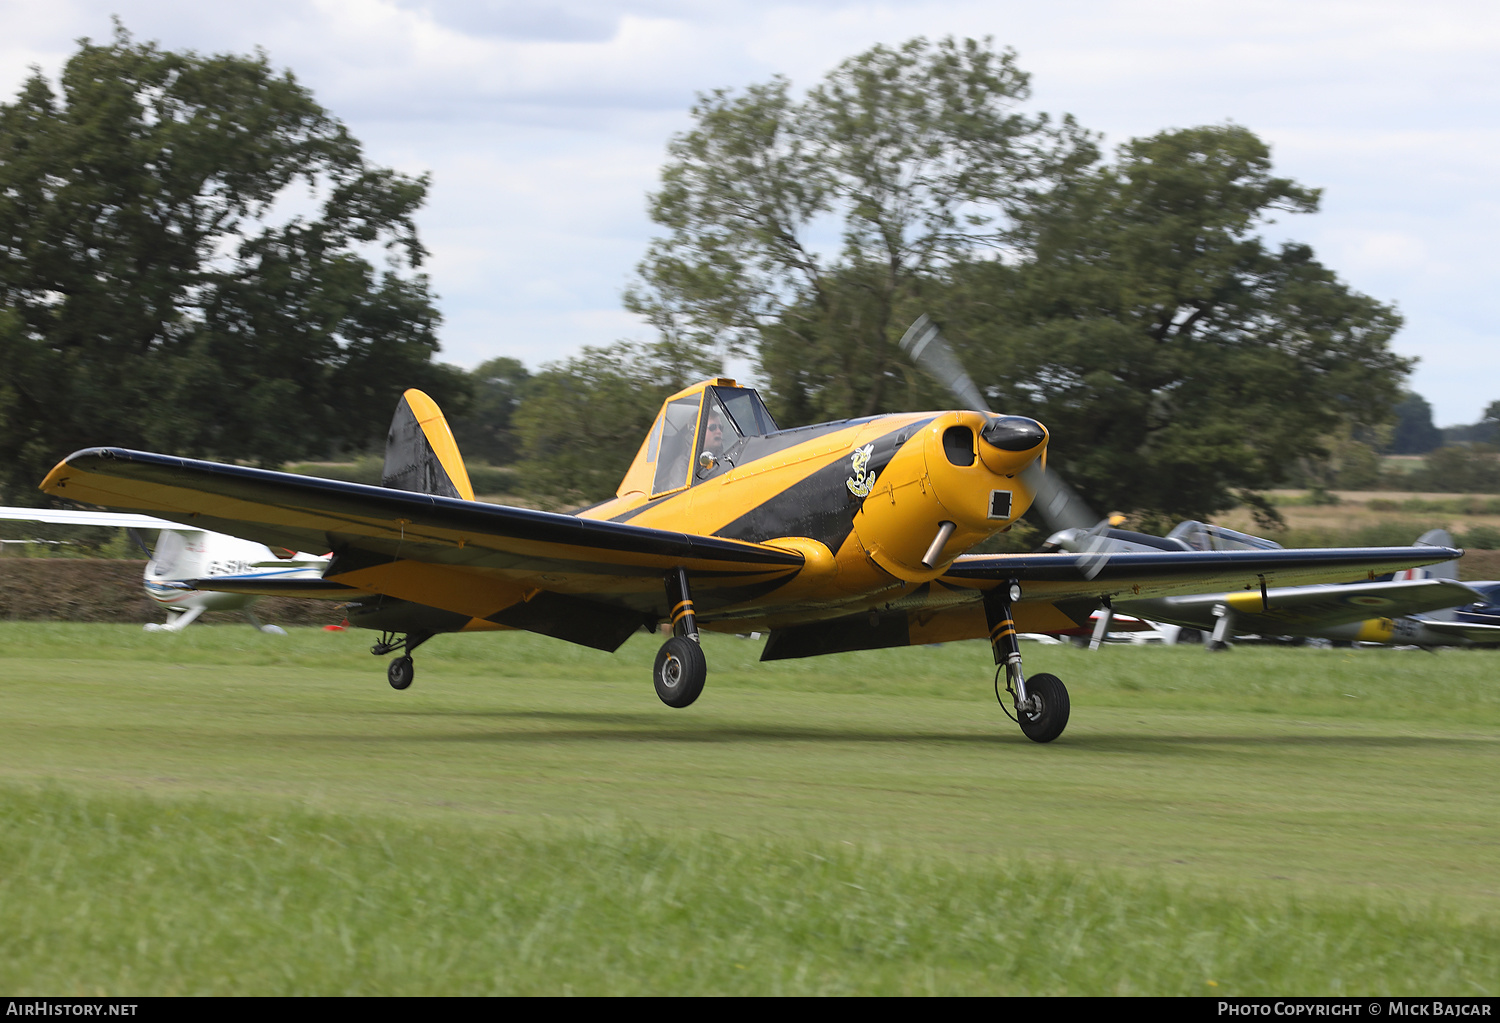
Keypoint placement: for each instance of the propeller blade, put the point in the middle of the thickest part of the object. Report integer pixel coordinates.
(925, 345)
(1059, 506)
(1055, 501)
(1098, 547)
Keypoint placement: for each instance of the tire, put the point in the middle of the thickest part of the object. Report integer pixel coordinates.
(400, 673)
(1048, 722)
(681, 669)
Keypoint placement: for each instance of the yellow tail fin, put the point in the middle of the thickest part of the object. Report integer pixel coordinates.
(420, 452)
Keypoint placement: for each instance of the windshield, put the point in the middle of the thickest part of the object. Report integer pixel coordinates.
(720, 441)
(1205, 536)
(688, 447)
(746, 409)
(676, 428)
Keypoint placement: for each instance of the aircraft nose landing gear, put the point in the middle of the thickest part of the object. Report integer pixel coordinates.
(681, 669)
(1041, 703)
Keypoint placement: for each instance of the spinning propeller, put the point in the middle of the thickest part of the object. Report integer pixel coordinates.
(1073, 524)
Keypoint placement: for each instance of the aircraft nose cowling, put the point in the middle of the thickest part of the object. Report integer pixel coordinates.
(1013, 433)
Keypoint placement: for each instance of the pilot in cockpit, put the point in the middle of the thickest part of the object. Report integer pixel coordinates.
(713, 434)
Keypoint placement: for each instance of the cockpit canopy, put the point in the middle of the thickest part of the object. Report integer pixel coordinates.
(699, 434)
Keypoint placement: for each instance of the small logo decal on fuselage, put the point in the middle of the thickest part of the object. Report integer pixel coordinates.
(862, 480)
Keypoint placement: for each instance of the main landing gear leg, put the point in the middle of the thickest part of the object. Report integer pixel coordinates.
(681, 668)
(1041, 702)
(176, 620)
(401, 672)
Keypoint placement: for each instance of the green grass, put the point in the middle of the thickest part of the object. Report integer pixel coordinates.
(222, 811)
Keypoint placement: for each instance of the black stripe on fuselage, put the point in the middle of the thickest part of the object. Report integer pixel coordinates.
(821, 506)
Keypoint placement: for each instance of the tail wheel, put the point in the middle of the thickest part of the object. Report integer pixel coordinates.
(681, 669)
(1048, 714)
(400, 673)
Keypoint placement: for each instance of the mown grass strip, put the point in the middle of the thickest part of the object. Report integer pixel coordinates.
(128, 895)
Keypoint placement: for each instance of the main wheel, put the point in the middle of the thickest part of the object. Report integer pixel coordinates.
(1050, 714)
(400, 673)
(680, 672)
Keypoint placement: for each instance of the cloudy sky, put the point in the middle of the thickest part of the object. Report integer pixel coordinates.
(544, 125)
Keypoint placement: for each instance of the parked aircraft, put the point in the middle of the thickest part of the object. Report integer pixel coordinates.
(1424, 607)
(1339, 612)
(847, 535)
(180, 555)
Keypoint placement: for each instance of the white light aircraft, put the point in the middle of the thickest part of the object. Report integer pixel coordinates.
(199, 555)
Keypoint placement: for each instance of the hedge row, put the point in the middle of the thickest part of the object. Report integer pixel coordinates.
(100, 590)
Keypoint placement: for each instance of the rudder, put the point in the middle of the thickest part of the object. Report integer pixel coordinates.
(1439, 538)
(420, 452)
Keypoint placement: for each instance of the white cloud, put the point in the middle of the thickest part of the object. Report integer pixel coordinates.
(543, 125)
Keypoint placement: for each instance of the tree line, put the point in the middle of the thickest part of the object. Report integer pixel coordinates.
(1127, 300)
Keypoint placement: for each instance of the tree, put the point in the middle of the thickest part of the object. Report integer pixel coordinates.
(583, 420)
(486, 432)
(809, 232)
(1486, 431)
(1414, 432)
(1458, 469)
(164, 283)
(1182, 364)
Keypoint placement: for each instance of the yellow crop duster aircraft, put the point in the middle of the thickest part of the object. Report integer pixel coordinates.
(847, 535)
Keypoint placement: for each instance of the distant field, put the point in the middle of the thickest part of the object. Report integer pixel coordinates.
(222, 811)
(1354, 522)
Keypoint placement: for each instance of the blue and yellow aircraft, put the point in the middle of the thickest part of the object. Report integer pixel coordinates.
(847, 535)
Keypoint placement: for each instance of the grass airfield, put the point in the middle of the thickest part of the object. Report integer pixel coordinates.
(225, 812)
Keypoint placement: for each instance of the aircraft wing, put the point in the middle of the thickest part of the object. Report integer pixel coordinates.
(86, 518)
(1129, 574)
(1296, 610)
(585, 580)
(1060, 591)
(1474, 632)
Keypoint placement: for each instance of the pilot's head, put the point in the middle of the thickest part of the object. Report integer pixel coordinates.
(713, 434)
